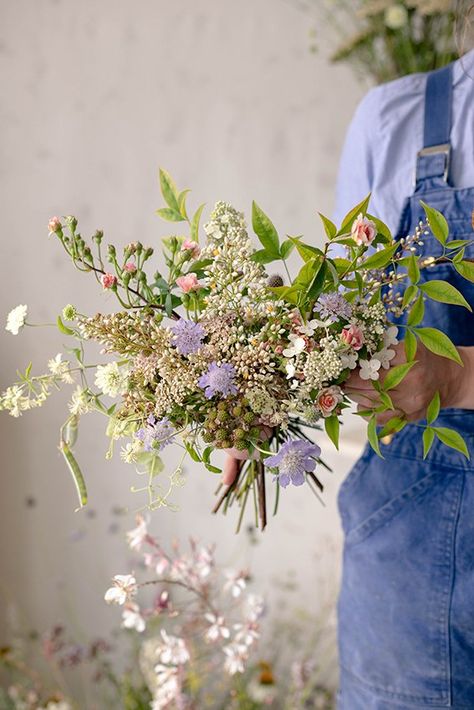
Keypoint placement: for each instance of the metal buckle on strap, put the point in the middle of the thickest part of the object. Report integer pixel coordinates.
(443, 148)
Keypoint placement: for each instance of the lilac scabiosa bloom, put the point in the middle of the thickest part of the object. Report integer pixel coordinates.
(293, 460)
(333, 306)
(219, 379)
(156, 434)
(187, 336)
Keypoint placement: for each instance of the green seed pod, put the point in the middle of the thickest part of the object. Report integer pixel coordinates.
(249, 417)
(237, 411)
(254, 432)
(239, 434)
(207, 437)
(226, 444)
(98, 236)
(241, 445)
(221, 434)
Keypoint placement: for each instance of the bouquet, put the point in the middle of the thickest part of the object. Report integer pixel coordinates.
(222, 353)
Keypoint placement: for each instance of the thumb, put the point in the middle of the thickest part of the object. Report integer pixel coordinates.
(230, 470)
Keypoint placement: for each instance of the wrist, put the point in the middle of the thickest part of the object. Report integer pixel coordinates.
(459, 386)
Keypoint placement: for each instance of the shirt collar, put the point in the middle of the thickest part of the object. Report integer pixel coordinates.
(463, 67)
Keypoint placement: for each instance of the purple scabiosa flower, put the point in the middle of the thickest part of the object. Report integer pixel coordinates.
(333, 306)
(156, 434)
(293, 460)
(219, 379)
(187, 336)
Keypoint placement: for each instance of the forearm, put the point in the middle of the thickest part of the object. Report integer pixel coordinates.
(462, 388)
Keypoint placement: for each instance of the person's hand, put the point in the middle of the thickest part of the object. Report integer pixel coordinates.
(235, 457)
(413, 395)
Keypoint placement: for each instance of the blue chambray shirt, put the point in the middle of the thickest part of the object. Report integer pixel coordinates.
(379, 153)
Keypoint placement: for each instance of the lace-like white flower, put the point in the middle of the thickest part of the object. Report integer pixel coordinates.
(16, 319)
(369, 369)
(125, 587)
(80, 403)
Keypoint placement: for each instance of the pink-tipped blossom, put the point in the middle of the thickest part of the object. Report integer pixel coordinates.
(363, 231)
(108, 281)
(130, 267)
(188, 283)
(191, 246)
(353, 336)
(54, 225)
(328, 400)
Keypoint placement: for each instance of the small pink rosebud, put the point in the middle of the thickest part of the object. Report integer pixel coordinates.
(353, 336)
(191, 246)
(108, 281)
(54, 225)
(188, 283)
(363, 231)
(328, 400)
(130, 267)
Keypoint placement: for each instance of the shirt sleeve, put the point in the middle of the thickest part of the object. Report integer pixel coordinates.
(356, 167)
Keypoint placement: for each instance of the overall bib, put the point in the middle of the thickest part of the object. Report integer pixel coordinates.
(406, 605)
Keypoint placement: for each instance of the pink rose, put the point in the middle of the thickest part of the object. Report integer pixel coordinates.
(54, 225)
(353, 336)
(192, 247)
(363, 231)
(328, 400)
(108, 281)
(188, 283)
(131, 267)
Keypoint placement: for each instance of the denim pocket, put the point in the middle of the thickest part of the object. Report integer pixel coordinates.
(397, 582)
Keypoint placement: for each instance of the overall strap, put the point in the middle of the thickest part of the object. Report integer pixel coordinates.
(434, 158)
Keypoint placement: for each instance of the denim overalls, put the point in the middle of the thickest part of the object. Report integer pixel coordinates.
(406, 606)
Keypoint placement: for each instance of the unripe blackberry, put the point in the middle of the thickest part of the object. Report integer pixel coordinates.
(226, 444)
(224, 416)
(239, 434)
(221, 434)
(207, 437)
(222, 406)
(241, 445)
(249, 417)
(274, 281)
(237, 411)
(254, 432)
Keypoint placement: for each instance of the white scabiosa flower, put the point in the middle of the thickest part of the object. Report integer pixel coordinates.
(110, 379)
(16, 319)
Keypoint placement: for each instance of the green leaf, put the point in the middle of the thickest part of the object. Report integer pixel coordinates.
(444, 292)
(413, 269)
(76, 473)
(438, 343)
(290, 294)
(331, 425)
(428, 438)
(433, 408)
(410, 345)
(317, 285)
(372, 436)
(286, 248)
(437, 222)
(342, 265)
(453, 439)
(262, 256)
(170, 214)
(265, 230)
(466, 269)
(458, 243)
(63, 328)
(459, 256)
(182, 203)
(380, 259)
(353, 214)
(417, 311)
(307, 272)
(192, 452)
(195, 223)
(386, 401)
(396, 374)
(393, 426)
(382, 229)
(168, 305)
(408, 295)
(169, 191)
(306, 251)
(329, 227)
(150, 462)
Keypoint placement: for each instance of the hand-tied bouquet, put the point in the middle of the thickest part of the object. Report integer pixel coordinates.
(222, 354)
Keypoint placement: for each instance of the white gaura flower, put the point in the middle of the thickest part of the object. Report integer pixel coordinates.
(369, 369)
(390, 336)
(297, 346)
(110, 379)
(217, 628)
(349, 360)
(235, 582)
(174, 650)
(125, 587)
(385, 356)
(16, 319)
(255, 607)
(236, 655)
(60, 369)
(168, 687)
(132, 619)
(138, 535)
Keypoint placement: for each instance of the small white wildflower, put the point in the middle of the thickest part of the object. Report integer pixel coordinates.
(110, 379)
(349, 360)
(138, 535)
(130, 451)
(385, 356)
(125, 587)
(369, 369)
(390, 336)
(235, 582)
(290, 370)
(396, 17)
(132, 619)
(79, 403)
(174, 650)
(297, 346)
(217, 628)
(16, 319)
(60, 369)
(236, 655)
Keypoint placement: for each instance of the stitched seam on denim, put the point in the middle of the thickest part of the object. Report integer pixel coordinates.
(389, 510)
(457, 512)
(430, 699)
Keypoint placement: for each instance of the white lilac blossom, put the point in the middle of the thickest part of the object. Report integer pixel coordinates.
(333, 306)
(110, 379)
(125, 587)
(294, 459)
(369, 369)
(219, 379)
(187, 336)
(156, 434)
(16, 319)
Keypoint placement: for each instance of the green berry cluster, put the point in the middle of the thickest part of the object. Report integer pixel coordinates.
(231, 425)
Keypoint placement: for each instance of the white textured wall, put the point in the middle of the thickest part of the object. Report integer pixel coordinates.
(96, 95)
